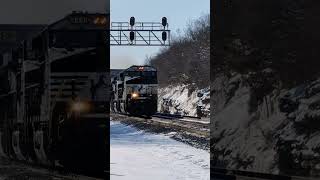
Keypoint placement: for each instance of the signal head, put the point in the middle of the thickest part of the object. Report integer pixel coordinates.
(132, 21)
(164, 21)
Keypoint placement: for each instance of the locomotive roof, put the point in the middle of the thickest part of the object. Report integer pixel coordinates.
(13, 34)
(66, 24)
(88, 23)
(115, 72)
(16, 33)
(141, 68)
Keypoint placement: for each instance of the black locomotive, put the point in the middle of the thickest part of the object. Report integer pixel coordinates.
(54, 100)
(135, 91)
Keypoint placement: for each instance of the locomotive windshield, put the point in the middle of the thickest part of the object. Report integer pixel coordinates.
(142, 77)
(82, 31)
(77, 39)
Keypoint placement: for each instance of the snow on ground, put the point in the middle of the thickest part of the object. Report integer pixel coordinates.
(138, 155)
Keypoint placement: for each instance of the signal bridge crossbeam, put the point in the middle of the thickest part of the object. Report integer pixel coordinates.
(139, 34)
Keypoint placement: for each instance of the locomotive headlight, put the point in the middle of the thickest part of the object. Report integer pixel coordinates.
(134, 95)
(80, 106)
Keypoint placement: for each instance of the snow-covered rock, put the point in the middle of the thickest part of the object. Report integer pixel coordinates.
(183, 100)
(279, 133)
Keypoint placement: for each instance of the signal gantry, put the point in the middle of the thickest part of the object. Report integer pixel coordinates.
(134, 33)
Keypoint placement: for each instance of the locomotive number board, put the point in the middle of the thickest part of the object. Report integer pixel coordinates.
(101, 20)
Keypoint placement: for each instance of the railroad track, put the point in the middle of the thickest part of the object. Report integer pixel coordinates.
(15, 169)
(190, 124)
(176, 117)
(224, 174)
(167, 115)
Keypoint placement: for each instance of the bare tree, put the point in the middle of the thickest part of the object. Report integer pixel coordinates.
(187, 60)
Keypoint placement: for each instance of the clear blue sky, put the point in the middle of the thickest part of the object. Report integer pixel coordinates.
(178, 12)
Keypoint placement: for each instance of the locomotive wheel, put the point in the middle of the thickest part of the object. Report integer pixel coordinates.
(2, 149)
(118, 106)
(18, 145)
(113, 106)
(40, 147)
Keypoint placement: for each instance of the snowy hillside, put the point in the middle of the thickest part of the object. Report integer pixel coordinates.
(278, 133)
(183, 100)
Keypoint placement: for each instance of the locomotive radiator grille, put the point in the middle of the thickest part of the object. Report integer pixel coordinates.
(66, 85)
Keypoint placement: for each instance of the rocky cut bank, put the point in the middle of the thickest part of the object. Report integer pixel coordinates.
(265, 89)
